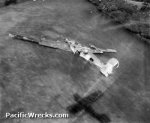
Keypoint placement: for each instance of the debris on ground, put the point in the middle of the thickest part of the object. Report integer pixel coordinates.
(83, 51)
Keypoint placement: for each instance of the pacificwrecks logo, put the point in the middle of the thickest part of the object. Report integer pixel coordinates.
(35, 115)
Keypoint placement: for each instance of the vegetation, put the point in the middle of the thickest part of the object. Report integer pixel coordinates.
(134, 17)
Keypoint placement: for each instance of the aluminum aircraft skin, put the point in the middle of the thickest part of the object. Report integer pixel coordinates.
(86, 52)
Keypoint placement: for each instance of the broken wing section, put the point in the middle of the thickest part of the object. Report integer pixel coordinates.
(47, 43)
(96, 50)
(104, 51)
(56, 44)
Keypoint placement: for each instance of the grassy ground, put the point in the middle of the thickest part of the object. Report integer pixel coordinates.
(129, 15)
(38, 79)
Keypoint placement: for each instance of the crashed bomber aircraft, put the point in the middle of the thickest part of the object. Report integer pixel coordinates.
(86, 52)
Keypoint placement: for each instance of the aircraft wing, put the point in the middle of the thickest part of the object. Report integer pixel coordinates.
(52, 44)
(98, 51)
(56, 44)
(23, 38)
